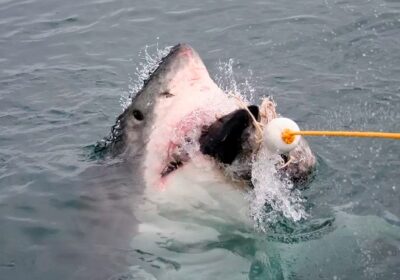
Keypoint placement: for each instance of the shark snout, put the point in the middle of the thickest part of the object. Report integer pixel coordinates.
(183, 50)
(185, 64)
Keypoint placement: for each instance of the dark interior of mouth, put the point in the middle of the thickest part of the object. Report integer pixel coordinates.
(224, 139)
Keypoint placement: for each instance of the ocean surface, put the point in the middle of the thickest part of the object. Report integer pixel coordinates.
(66, 67)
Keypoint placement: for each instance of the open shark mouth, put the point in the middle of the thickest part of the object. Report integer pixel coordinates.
(221, 139)
(183, 144)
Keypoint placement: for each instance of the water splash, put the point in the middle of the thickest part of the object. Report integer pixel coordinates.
(272, 197)
(150, 57)
(227, 80)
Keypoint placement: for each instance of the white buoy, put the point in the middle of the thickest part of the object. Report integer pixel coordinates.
(273, 132)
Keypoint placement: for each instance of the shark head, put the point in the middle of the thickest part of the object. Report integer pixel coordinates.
(166, 117)
(181, 116)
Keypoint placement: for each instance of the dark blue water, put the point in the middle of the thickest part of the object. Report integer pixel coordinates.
(64, 66)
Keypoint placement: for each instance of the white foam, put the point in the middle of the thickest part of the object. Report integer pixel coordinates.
(270, 189)
(150, 57)
(227, 81)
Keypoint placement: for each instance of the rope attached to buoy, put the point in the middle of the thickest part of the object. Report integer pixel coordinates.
(288, 135)
(281, 134)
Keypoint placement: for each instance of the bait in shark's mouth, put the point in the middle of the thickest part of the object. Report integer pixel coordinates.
(182, 117)
(224, 138)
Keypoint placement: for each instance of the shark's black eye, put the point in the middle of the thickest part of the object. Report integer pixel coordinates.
(137, 115)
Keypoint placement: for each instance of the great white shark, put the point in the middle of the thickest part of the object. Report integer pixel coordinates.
(191, 147)
(181, 118)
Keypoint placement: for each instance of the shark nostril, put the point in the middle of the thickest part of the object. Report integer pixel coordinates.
(138, 115)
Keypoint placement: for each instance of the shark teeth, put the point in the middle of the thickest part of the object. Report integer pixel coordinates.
(171, 166)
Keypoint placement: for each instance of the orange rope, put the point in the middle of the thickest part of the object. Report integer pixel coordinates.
(288, 135)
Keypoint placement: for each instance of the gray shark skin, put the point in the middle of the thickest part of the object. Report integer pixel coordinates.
(132, 126)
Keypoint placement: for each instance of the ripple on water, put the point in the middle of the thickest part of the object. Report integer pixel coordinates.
(64, 65)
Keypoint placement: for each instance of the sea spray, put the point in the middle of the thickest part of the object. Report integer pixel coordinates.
(151, 57)
(272, 196)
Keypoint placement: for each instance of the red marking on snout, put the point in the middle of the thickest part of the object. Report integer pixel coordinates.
(186, 52)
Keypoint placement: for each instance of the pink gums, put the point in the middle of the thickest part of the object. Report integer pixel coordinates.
(186, 130)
